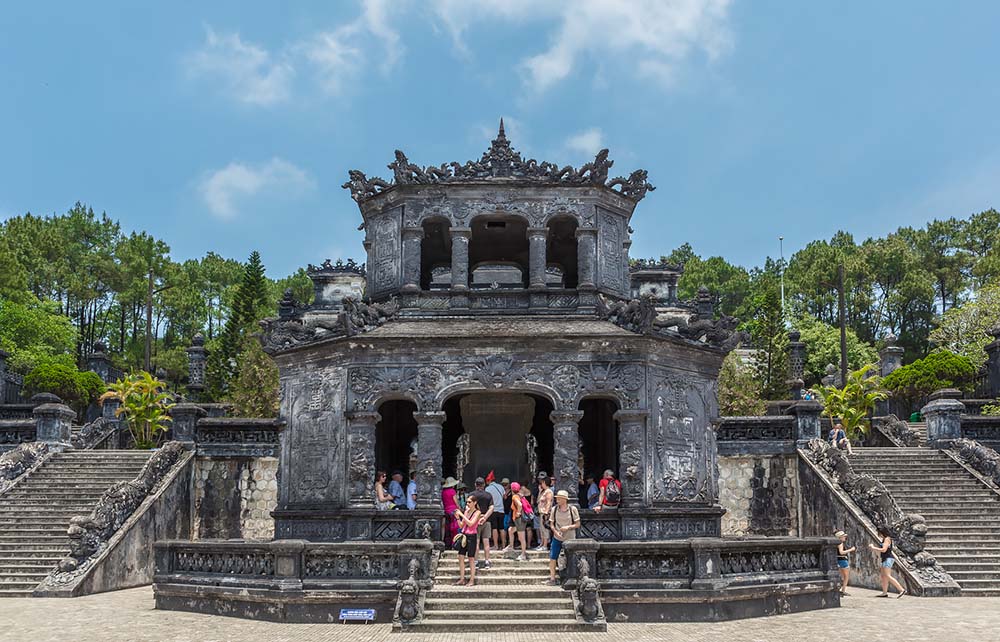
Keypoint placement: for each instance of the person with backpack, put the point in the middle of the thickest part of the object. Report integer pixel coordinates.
(611, 492)
(564, 520)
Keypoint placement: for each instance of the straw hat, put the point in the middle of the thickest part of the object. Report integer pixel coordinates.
(564, 494)
(449, 482)
(840, 534)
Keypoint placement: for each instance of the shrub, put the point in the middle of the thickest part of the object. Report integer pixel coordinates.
(64, 380)
(940, 369)
(144, 404)
(740, 390)
(854, 402)
(254, 392)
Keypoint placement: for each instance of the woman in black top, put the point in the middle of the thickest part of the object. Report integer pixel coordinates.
(888, 559)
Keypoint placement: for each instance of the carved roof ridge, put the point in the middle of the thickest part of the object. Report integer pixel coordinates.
(500, 162)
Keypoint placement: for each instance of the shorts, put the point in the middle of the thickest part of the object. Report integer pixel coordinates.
(486, 529)
(470, 548)
(888, 562)
(844, 563)
(496, 521)
(554, 551)
(506, 521)
(520, 524)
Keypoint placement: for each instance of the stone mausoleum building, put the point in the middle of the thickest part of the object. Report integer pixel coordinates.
(496, 337)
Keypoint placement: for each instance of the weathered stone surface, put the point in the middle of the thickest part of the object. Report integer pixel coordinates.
(20, 460)
(760, 495)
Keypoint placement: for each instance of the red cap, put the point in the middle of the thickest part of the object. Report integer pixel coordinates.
(490, 478)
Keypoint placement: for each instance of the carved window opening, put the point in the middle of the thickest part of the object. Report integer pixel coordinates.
(598, 439)
(560, 252)
(396, 438)
(498, 247)
(498, 426)
(435, 255)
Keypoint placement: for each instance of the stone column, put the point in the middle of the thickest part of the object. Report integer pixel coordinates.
(796, 365)
(99, 362)
(429, 458)
(566, 446)
(943, 415)
(672, 288)
(460, 259)
(703, 301)
(993, 364)
(412, 237)
(109, 411)
(586, 256)
(54, 423)
(184, 419)
(536, 257)
(807, 421)
(361, 458)
(632, 456)
(3, 375)
(889, 358)
(197, 356)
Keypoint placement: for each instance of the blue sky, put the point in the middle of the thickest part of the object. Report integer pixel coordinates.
(230, 126)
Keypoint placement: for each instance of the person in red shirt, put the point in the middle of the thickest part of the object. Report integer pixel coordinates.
(611, 492)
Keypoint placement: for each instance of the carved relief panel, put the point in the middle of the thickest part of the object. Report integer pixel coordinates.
(316, 428)
(384, 260)
(611, 235)
(683, 443)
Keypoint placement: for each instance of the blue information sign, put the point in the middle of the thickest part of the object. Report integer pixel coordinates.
(357, 615)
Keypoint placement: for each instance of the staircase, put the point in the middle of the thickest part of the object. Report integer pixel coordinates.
(35, 514)
(919, 427)
(511, 596)
(962, 513)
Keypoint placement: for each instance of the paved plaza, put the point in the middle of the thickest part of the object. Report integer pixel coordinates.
(129, 615)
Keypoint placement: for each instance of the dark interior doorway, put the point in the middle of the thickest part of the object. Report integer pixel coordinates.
(394, 436)
(599, 437)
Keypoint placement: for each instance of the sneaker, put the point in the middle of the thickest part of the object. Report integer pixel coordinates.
(522, 558)
(480, 564)
(538, 548)
(487, 564)
(551, 582)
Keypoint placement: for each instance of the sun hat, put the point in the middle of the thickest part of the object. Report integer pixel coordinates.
(564, 494)
(449, 482)
(505, 481)
(840, 534)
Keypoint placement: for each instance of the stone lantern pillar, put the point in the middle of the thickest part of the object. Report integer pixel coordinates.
(98, 361)
(361, 455)
(943, 414)
(632, 455)
(54, 423)
(807, 421)
(703, 303)
(184, 420)
(889, 358)
(429, 462)
(796, 365)
(197, 356)
(566, 451)
(412, 239)
(993, 364)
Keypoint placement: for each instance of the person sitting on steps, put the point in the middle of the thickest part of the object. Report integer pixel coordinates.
(838, 439)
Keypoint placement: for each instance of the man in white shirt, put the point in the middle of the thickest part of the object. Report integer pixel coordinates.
(496, 492)
(411, 491)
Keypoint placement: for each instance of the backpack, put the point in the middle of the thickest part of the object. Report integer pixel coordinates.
(613, 493)
(574, 516)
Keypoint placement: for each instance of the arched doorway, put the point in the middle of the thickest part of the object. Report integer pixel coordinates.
(508, 433)
(560, 252)
(598, 440)
(498, 252)
(395, 437)
(435, 255)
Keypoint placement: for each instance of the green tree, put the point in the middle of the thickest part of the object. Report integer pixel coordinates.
(145, 406)
(739, 388)
(250, 306)
(913, 382)
(965, 329)
(33, 331)
(854, 402)
(765, 322)
(254, 392)
(823, 347)
(56, 376)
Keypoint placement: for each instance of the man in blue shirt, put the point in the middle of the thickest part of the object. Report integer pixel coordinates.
(396, 490)
(411, 491)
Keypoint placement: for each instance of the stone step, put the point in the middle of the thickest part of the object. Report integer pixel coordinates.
(468, 604)
(978, 584)
(980, 592)
(16, 570)
(487, 579)
(939, 531)
(953, 543)
(527, 569)
(962, 575)
(566, 613)
(19, 576)
(23, 560)
(467, 625)
(537, 592)
(28, 522)
(10, 592)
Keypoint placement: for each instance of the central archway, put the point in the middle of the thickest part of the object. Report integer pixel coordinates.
(509, 433)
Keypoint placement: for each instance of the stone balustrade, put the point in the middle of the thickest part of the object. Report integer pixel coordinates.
(770, 434)
(238, 437)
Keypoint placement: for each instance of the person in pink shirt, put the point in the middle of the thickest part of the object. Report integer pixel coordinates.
(467, 540)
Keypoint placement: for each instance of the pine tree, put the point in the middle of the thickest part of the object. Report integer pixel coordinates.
(250, 306)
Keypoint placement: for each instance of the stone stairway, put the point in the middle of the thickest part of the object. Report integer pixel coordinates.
(962, 513)
(920, 428)
(35, 514)
(511, 596)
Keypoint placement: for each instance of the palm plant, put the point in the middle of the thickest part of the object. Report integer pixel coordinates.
(853, 403)
(144, 404)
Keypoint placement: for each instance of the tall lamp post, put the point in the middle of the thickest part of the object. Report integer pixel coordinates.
(781, 250)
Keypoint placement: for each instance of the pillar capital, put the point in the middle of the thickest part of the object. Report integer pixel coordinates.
(413, 232)
(631, 415)
(363, 418)
(465, 232)
(566, 416)
(586, 231)
(538, 232)
(430, 418)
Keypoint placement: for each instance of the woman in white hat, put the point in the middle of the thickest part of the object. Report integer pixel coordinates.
(564, 520)
(843, 561)
(449, 499)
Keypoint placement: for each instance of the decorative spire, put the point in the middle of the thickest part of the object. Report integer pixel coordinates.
(500, 134)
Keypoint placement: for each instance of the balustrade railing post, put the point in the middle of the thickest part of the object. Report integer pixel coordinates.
(288, 563)
(184, 420)
(707, 554)
(943, 415)
(807, 421)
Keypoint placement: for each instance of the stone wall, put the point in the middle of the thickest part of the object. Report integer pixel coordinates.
(760, 494)
(234, 497)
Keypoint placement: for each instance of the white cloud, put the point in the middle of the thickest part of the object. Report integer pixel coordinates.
(246, 71)
(588, 142)
(655, 37)
(224, 189)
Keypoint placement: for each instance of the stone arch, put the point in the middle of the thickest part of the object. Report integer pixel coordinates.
(470, 386)
(561, 251)
(498, 238)
(435, 253)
